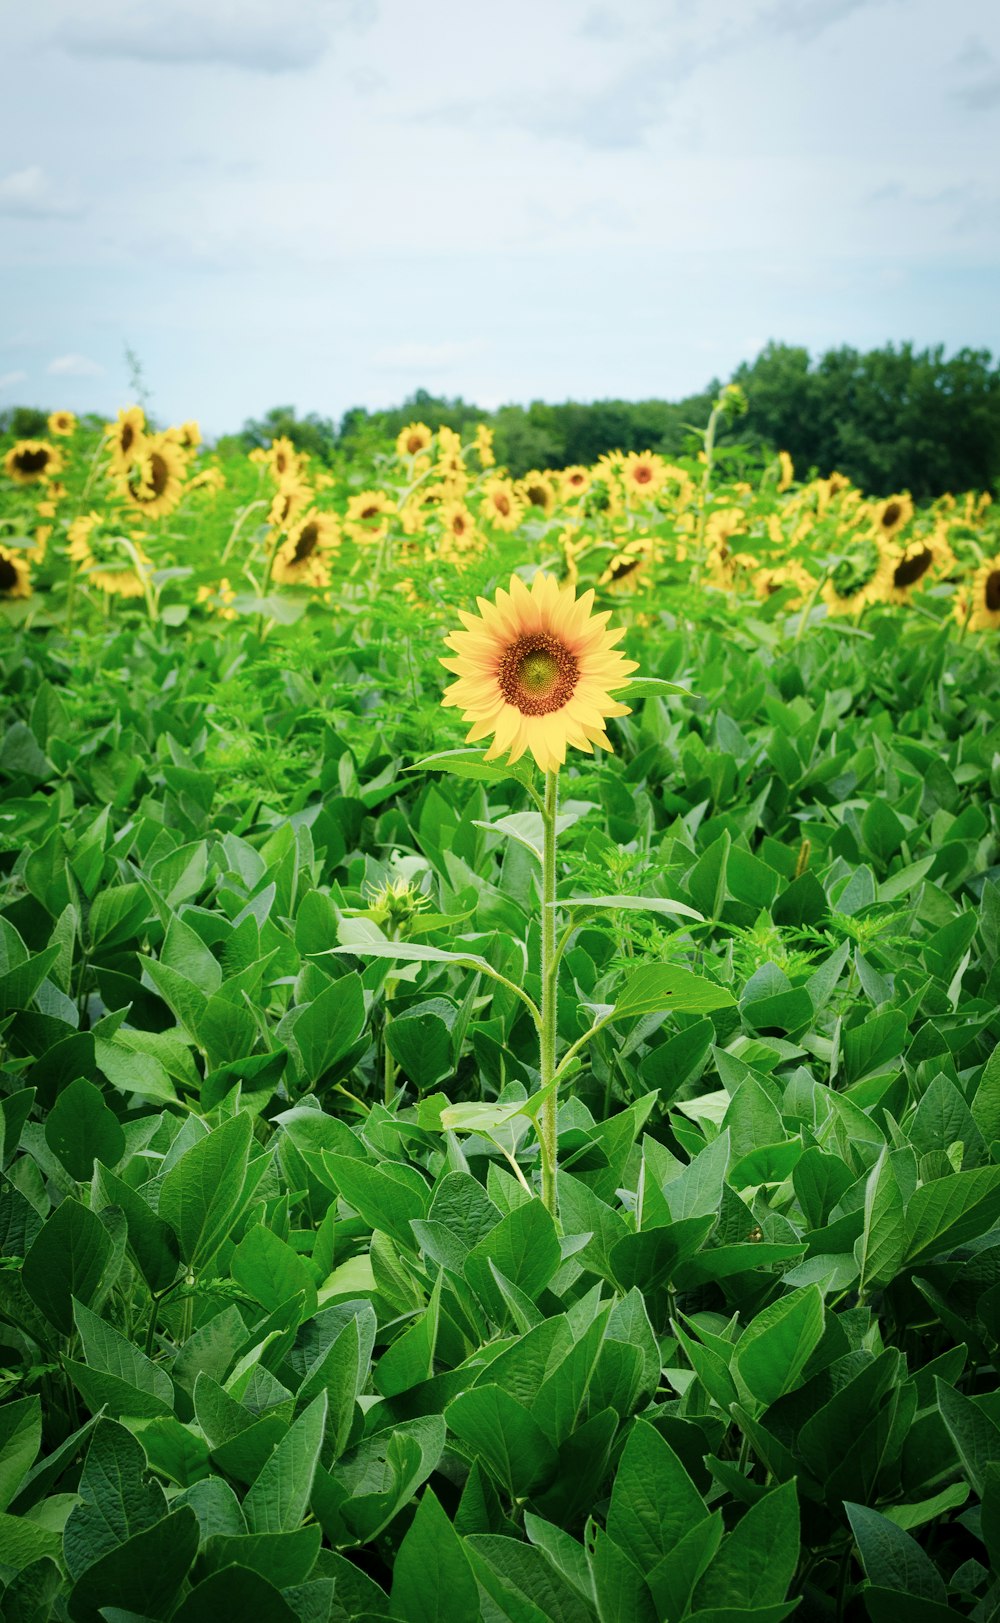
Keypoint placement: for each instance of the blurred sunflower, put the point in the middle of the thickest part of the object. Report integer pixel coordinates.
(644, 473)
(100, 553)
(916, 564)
(62, 423)
(502, 506)
(292, 498)
(891, 515)
(368, 515)
(574, 481)
(459, 525)
(769, 580)
(218, 599)
(31, 460)
(125, 438)
(861, 578)
(413, 439)
(786, 470)
(629, 564)
(283, 460)
(304, 559)
(985, 597)
(484, 446)
(15, 574)
(536, 670)
(539, 490)
(154, 483)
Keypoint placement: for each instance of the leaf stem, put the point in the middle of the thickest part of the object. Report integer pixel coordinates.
(547, 1127)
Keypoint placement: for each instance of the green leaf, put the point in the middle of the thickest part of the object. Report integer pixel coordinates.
(654, 988)
(420, 1043)
(494, 1426)
(882, 1246)
(142, 1575)
(151, 1241)
(774, 1350)
(986, 1102)
(201, 1195)
(148, 1388)
(432, 1580)
(951, 1210)
(280, 1496)
(235, 1592)
(757, 1560)
(271, 1272)
(633, 904)
(891, 1558)
(524, 1246)
(69, 1258)
(81, 1129)
(116, 1501)
(325, 1030)
(973, 1433)
(20, 1440)
(653, 1500)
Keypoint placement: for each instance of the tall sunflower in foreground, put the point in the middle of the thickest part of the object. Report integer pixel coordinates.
(536, 670)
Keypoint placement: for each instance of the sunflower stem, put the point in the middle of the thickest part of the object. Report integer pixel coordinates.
(550, 977)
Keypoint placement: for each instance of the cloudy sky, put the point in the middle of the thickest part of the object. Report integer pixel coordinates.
(333, 202)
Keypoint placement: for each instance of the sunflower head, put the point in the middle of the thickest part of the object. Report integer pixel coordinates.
(892, 514)
(644, 474)
(413, 439)
(574, 481)
(368, 515)
(502, 505)
(31, 460)
(982, 606)
(15, 574)
(304, 559)
(154, 482)
(126, 438)
(484, 446)
(786, 470)
(62, 423)
(626, 570)
(536, 670)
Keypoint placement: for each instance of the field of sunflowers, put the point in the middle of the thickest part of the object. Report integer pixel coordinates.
(499, 1037)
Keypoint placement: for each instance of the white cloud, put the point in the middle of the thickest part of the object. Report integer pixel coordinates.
(417, 357)
(29, 192)
(74, 366)
(259, 36)
(9, 379)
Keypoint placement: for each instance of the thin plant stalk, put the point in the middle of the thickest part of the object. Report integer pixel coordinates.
(550, 977)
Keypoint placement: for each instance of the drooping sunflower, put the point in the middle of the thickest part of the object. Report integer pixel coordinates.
(283, 460)
(154, 483)
(575, 481)
(539, 490)
(413, 439)
(126, 438)
(892, 514)
(644, 474)
(62, 423)
(98, 550)
(985, 597)
(860, 578)
(536, 670)
(368, 515)
(502, 505)
(304, 559)
(484, 446)
(15, 574)
(31, 460)
(627, 570)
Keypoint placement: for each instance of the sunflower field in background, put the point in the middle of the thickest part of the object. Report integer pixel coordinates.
(499, 1037)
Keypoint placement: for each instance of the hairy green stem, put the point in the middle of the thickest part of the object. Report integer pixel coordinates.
(550, 976)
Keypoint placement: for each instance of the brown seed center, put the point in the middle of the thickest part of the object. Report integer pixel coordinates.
(537, 674)
(31, 461)
(414, 444)
(992, 592)
(8, 575)
(502, 504)
(890, 515)
(127, 436)
(537, 495)
(306, 544)
(909, 570)
(642, 474)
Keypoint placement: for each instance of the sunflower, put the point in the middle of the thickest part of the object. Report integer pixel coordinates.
(126, 437)
(190, 434)
(574, 481)
(678, 491)
(892, 514)
(283, 460)
(917, 563)
(502, 505)
(985, 614)
(305, 557)
(413, 439)
(98, 552)
(31, 460)
(538, 490)
(863, 577)
(292, 498)
(536, 671)
(629, 563)
(484, 446)
(449, 452)
(368, 515)
(769, 580)
(459, 525)
(644, 473)
(786, 470)
(154, 483)
(211, 479)
(15, 574)
(62, 423)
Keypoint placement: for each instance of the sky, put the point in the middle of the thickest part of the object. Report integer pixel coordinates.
(330, 203)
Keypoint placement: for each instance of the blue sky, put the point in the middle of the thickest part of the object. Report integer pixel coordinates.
(333, 202)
